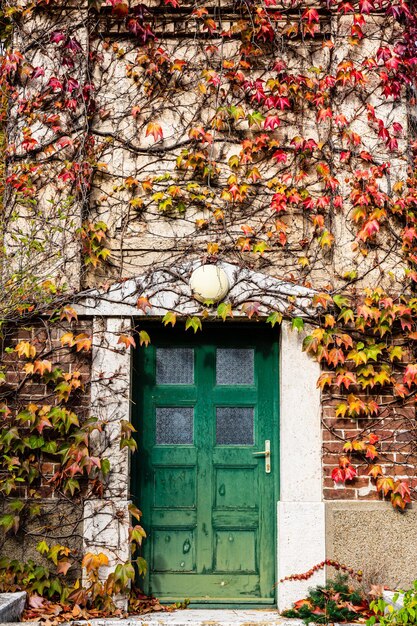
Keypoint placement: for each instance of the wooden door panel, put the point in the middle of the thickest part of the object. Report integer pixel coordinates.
(174, 487)
(173, 550)
(227, 487)
(235, 550)
(216, 587)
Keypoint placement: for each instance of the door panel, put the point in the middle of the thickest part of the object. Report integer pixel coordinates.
(205, 405)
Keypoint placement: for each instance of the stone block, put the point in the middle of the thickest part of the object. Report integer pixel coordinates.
(11, 606)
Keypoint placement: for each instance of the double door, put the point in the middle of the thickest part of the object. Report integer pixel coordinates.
(206, 477)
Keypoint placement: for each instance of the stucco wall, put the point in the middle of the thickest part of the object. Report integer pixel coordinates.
(144, 237)
(374, 538)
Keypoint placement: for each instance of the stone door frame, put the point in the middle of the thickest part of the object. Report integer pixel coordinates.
(300, 510)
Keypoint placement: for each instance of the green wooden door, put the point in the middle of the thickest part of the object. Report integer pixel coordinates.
(205, 406)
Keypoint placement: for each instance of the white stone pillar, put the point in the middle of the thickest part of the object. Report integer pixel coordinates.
(301, 513)
(106, 520)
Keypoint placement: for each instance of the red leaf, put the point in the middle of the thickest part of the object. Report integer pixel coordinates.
(365, 6)
(272, 121)
(338, 475)
(350, 473)
(410, 374)
(311, 15)
(403, 488)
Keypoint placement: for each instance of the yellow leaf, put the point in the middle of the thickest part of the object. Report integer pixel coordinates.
(67, 339)
(24, 348)
(212, 248)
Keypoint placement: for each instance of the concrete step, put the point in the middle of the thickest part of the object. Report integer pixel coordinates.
(202, 617)
(192, 617)
(11, 606)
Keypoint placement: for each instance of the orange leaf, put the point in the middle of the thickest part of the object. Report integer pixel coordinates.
(155, 130)
(143, 304)
(385, 484)
(83, 342)
(371, 452)
(375, 471)
(69, 313)
(127, 340)
(41, 367)
(63, 566)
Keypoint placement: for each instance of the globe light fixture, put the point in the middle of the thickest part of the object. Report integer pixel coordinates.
(209, 282)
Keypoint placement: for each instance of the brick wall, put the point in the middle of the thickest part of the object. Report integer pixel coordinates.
(60, 518)
(396, 428)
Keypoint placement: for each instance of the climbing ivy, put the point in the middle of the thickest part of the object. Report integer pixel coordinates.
(277, 138)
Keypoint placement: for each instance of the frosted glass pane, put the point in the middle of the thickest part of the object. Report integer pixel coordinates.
(234, 366)
(234, 425)
(174, 425)
(174, 366)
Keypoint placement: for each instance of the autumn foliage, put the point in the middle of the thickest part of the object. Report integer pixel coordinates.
(281, 137)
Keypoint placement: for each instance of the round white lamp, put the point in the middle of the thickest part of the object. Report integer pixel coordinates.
(209, 282)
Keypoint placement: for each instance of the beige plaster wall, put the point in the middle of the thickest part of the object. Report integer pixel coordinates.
(374, 538)
(145, 238)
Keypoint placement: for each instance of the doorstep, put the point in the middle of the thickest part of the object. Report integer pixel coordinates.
(205, 617)
(191, 617)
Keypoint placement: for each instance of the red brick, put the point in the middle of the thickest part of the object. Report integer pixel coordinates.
(339, 494)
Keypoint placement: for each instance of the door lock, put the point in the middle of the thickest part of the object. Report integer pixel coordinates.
(267, 454)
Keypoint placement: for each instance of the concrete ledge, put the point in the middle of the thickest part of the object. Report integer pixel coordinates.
(192, 617)
(11, 606)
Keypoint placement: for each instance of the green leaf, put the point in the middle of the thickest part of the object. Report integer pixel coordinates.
(260, 247)
(51, 447)
(35, 442)
(55, 587)
(169, 318)
(142, 566)
(42, 547)
(16, 505)
(297, 323)
(7, 521)
(137, 534)
(194, 323)
(105, 466)
(144, 338)
(72, 485)
(124, 573)
(128, 442)
(255, 118)
(395, 352)
(340, 301)
(373, 351)
(347, 315)
(274, 318)
(224, 310)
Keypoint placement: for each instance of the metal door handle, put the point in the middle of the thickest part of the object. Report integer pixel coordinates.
(267, 454)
